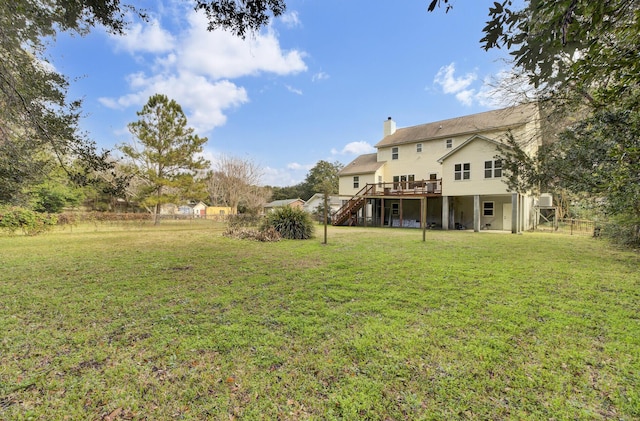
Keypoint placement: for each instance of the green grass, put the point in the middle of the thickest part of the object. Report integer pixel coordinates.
(178, 322)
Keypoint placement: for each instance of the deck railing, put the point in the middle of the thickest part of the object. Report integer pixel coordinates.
(404, 188)
(399, 188)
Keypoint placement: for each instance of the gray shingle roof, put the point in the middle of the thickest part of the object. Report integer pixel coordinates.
(470, 124)
(364, 164)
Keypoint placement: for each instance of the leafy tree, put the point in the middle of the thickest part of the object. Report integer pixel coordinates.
(20, 168)
(583, 59)
(242, 16)
(323, 176)
(164, 153)
(35, 113)
(288, 192)
(55, 193)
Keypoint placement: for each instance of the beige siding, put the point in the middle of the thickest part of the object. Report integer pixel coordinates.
(475, 153)
(346, 183)
(420, 164)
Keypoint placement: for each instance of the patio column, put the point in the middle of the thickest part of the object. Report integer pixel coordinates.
(445, 212)
(382, 212)
(423, 217)
(476, 213)
(364, 211)
(514, 213)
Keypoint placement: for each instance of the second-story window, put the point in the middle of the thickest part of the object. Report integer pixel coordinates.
(394, 153)
(419, 147)
(493, 169)
(448, 143)
(356, 182)
(462, 171)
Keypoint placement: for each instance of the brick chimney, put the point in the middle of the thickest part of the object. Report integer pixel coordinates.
(389, 127)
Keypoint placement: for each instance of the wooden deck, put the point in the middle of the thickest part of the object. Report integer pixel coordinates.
(420, 188)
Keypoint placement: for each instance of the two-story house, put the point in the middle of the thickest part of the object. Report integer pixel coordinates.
(443, 174)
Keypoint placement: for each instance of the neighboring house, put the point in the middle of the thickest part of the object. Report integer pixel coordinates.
(169, 209)
(443, 174)
(200, 209)
(219, 212)
(316, 202)
(293, 203)
(185, 210)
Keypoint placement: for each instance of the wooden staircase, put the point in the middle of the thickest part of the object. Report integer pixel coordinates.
(352, 206)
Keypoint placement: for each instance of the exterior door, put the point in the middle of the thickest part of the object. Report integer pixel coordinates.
(506, 216)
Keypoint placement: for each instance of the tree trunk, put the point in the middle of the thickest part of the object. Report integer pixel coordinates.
(325, 217)
(156, 216)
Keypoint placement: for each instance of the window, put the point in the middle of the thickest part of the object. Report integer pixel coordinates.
(448, 143)
(462, 171)
(356, 182)
(394, 153)
(493, 169)
(433, 176)
(497, 168)
(419, 147)
(487, 208)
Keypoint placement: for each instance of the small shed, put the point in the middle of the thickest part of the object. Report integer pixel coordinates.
(200, 210)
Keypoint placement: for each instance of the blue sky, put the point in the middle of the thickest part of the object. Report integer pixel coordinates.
(316, 85)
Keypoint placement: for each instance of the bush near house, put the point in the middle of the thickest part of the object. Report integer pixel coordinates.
(290, 223)
(29, 222)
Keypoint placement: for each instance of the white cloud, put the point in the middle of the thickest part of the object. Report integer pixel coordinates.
(281, 177)
(293, 90)
(466, 97)
(297, 167)
(319, 76)
(205, 99)
(494, 91)
(219, 54)
(355, 148)
(195, 67)
(451, 84)
(150, 38)
(291, 19)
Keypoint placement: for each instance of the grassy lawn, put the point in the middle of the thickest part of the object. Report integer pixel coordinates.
(178, 322)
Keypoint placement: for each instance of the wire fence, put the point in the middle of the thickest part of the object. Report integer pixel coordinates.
(571, 226)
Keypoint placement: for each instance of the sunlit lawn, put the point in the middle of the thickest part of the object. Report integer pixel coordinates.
(179, 322)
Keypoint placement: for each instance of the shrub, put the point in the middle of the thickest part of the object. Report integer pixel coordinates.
(623, 231)
(267, 235)
(243, 220)
(290, 223)
(13, 219)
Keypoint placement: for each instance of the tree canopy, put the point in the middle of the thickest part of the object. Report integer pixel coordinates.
(38, 122)
(164, 153)
(583, 59)
(321, 178)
